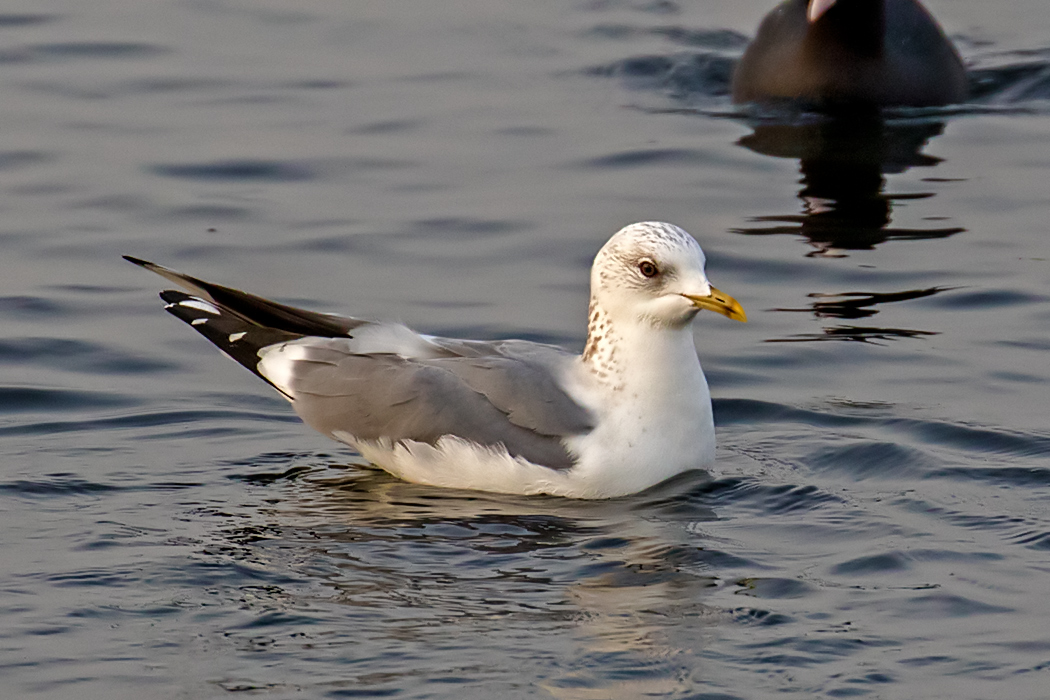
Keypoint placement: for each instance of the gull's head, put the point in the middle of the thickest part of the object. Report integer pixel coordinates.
(653, 273)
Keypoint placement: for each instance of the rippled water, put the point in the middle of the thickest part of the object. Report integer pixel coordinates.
(878, 522)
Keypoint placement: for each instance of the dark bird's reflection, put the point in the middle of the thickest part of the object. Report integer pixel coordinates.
(843, 161)
(854, 306)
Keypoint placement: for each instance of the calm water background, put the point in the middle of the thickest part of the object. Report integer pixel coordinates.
(878, 524)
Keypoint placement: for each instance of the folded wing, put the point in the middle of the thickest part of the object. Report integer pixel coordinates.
(381, 381)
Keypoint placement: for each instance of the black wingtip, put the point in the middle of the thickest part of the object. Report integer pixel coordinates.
(138, 261)
(256, 310)
(233, 334)
(171, 296)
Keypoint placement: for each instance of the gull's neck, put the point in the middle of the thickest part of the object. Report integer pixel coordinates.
(637, 357)
(646, 387)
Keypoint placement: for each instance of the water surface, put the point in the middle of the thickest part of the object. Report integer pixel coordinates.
(877, 524)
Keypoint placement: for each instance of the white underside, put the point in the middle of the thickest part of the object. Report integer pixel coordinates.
(459, 464)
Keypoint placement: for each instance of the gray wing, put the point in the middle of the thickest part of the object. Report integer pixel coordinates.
(493, 400)
(526, 392)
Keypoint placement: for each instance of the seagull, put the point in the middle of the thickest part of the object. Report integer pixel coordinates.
(507, 416)
(845, 53)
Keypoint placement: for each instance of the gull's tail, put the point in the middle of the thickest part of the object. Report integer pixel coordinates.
(255, 309)
(241, 324)
(236, 336)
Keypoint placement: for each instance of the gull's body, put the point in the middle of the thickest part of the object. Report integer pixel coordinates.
(507, 416)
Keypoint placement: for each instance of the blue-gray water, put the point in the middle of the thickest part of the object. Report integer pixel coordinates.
(878, 523)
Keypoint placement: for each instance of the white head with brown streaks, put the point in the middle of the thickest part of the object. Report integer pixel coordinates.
(647, 278)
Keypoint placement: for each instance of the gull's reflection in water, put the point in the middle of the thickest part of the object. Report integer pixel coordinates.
(843, 161)
(594, 581)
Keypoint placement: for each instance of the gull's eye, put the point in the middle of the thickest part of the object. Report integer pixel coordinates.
(648, 268)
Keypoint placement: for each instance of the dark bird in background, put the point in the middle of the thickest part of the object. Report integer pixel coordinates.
(832, 54)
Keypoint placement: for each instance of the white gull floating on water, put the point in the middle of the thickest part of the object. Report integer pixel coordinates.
(509, 416)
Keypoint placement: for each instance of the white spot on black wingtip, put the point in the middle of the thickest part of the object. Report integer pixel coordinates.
(198, 321)
(200, 305)
(234, 337)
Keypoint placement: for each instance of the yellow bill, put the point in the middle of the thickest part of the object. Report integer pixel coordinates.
(721, 303)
